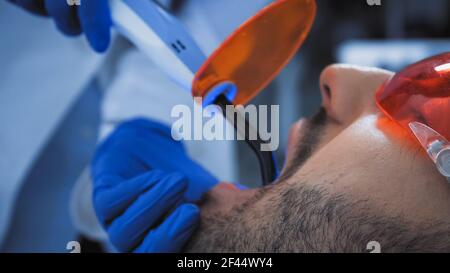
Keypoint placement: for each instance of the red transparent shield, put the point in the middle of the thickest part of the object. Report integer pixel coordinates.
(419, 93)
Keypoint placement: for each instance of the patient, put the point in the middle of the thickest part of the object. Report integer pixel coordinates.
(351, 177)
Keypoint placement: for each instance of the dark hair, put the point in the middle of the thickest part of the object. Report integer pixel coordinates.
(307, 219)
(308, 143)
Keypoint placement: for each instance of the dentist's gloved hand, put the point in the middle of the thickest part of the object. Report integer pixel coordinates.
(131, 211)
(140, 176)
(141, 145)
(91, 17)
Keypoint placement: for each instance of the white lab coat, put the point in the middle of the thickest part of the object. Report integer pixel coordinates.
(137, 89)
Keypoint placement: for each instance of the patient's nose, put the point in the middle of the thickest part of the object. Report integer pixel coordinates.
(348, 91)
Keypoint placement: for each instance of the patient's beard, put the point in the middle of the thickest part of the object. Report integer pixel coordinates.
(307, 145)
(221, 231)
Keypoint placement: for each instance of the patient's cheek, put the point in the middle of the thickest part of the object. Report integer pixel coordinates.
(396, 133)
(223, 198)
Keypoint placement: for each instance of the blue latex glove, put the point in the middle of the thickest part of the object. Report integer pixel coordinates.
(92, 17)
(131, 211)
(141, 145)
(140, 175)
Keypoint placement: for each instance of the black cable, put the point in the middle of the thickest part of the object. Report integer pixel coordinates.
(265, 158)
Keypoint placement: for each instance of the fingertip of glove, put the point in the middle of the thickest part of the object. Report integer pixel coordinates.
(187, 220)
(187, 217)
(100, 41)
(190, 210)
(95, 20)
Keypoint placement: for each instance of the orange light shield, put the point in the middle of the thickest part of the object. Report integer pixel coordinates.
(254, 55)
